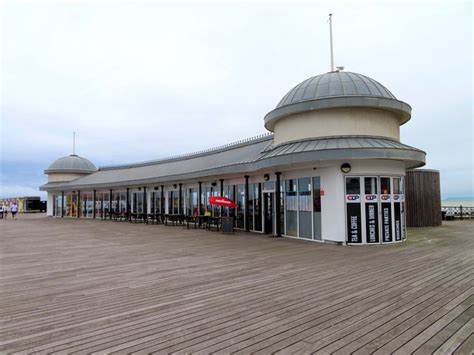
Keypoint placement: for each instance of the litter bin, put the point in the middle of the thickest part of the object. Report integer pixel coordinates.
(228, 225)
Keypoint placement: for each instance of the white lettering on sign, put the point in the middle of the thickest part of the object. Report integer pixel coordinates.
(354, 227)
(386, 221)
(372, 223)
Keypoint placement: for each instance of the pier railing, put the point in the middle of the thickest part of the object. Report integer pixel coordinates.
(457, 212)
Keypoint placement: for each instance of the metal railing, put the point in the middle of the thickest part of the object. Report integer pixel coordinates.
(457, 212)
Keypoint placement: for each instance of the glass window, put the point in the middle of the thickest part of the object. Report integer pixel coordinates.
(370, 185)
(251, 203)
(269, 185)
(317, 207)
(291, 204)
(258, 207)
(396, 186)
(385, 185)
(305, 208)
(240, 210)
(352, 186)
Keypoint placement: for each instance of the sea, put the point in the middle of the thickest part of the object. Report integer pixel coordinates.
(455, 202)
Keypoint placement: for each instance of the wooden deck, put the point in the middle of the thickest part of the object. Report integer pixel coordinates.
(77, 286)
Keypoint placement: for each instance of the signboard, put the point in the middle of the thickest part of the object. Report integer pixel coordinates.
(353, 198)
(372, 222)
(386, 222)
(371, 198)
(354, 230)
(398, 221)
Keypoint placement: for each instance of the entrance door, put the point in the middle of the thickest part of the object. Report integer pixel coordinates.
(268, 212)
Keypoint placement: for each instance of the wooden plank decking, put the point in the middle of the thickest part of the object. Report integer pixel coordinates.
(77, 286)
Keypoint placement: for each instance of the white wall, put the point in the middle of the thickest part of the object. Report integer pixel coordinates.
(337, 122)
(49, 205)
(56, 177)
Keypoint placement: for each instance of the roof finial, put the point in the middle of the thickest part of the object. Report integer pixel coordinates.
(330, 42)
(73, 143)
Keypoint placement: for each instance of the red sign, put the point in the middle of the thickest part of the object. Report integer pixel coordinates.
(221, 201)
(321, 193)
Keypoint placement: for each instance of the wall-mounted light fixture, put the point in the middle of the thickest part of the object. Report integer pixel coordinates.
(346, 168)
(214, 184)
(175, 186)
(266, 177)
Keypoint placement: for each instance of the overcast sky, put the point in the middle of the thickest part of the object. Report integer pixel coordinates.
(144, 80)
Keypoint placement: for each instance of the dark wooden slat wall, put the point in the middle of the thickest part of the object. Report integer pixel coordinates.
(423, 198)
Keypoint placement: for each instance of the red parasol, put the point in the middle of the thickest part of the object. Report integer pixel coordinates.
(221, 201)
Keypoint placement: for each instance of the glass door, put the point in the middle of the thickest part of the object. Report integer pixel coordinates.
(268, 212)
(371, 208)
(353, 210)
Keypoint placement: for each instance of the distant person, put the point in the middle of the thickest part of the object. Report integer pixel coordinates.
(5, 211)
(1, 212)
(14, 210)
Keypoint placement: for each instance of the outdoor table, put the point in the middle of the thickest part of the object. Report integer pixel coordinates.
(137, 217)
(203, 221)
(192, 219)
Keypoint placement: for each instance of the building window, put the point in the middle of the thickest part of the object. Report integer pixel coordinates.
(291, 208)
(317, 208)
(305, 208)
(240, 201)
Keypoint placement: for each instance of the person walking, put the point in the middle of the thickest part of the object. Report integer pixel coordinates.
(14, 210)
(1, 212)
(5, 211)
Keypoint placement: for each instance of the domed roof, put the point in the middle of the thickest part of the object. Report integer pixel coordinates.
(333, 84)
(337, 89)
(71, 164)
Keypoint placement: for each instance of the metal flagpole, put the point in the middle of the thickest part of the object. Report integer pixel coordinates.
(73, 143)
(330, 42)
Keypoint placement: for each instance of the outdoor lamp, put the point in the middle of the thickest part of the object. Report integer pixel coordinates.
(345, 168)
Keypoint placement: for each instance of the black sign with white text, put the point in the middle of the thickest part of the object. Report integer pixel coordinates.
(372, 222)
(387, 222)
(354, 230)
(398, 221)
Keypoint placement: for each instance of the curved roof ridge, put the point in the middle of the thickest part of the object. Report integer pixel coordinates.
(222, 148)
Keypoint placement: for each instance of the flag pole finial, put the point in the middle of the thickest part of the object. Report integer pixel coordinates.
(73, 143)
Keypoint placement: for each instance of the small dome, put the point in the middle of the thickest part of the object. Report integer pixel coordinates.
(337, 89)
(71, 164)
(335, 84)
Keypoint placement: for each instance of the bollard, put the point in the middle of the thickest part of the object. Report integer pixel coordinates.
(460, 211)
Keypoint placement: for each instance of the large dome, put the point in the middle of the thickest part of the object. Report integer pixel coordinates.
(335, 84)
(337, 89)
(71, 164)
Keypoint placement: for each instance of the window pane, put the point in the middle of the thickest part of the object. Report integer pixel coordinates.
(370, 184)
(291, 208)
(352, 186)
(396, 186)
(305, 207)
(317, 207)
(258, 207)
(240, 200)
(385, 185)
